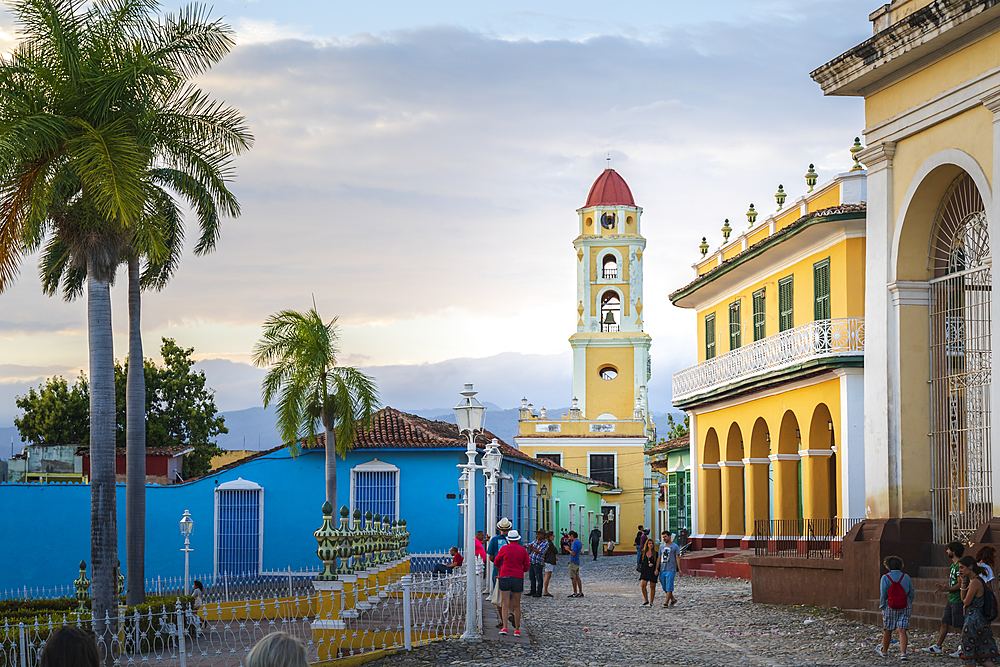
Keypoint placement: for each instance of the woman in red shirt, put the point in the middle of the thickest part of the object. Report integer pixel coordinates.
(512, 559)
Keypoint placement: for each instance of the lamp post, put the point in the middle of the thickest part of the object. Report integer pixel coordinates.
(491, 465)
(187, 525)
(469, 415)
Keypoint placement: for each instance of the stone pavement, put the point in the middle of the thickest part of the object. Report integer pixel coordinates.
(715, 623)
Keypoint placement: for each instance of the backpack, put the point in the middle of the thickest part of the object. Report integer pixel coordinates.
(897, 597)
(989, 604)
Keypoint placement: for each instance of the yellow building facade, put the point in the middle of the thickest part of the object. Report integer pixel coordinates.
(776, 398)
(930, 79)
(605, 433)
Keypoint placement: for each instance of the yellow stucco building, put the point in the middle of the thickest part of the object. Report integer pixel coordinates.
(605, 433)
(776, 398)
(930, 79)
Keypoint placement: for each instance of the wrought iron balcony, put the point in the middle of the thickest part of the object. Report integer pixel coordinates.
(815, 340)
(610, 274)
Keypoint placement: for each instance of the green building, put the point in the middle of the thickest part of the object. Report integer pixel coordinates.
(672, 459)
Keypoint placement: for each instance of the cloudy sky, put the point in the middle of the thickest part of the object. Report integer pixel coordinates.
(418, 166)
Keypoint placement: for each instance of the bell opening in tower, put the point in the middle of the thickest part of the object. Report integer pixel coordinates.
(610, 267)
(611, 307)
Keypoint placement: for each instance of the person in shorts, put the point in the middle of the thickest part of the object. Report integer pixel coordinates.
(550, 559)
(668, 567)
(895, 612)
(575, 547)
(512, 559)
(953, 617)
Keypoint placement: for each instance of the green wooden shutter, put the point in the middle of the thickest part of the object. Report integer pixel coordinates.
(759, 316)
(687, 501)
(710, 336)
(735, 337)
(672, 507)
(785, 301)
(821, 289)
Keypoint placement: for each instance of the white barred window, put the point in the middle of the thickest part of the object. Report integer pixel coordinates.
(375, 489)
(239, 529)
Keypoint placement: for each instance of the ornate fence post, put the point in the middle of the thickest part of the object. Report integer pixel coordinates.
(406, 537)
(181, 635)
(82, 585)
(344, 542)
(326, 539)
(377, 540)
(407, 620)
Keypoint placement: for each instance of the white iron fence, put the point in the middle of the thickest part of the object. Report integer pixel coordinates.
(814, 340)
(416, 609)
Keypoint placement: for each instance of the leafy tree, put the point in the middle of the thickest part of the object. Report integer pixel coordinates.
(309, 387)
(677, 429)
(56, 413)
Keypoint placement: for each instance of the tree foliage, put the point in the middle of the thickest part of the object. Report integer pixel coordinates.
(180, 409)
(677, 429)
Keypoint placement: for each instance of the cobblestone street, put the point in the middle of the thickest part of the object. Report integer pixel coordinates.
(714, 623)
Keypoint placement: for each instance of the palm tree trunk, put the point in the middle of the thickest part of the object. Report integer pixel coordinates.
(331, 463)
(103, 516)
(135, 438)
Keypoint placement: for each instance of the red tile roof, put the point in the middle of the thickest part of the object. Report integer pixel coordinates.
(670, 445)
(609, 189)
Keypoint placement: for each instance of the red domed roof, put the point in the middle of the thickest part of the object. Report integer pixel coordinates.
(609, 189)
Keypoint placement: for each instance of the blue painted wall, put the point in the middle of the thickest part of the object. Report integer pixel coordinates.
(47, 526)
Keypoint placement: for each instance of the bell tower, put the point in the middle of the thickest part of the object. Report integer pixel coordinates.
(610, 351)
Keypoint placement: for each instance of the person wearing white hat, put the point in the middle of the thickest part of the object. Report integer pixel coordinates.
(512, 561)
(496, 542)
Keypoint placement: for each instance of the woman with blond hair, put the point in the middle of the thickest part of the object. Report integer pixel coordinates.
(647, 571)
(278, 649)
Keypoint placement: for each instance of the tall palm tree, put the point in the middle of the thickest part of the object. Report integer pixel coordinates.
(81, 98)
(300, 352)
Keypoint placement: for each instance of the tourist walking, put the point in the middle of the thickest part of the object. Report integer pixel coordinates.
(496, 543)
(551, 558)
(895, 601)
(953, 616)
(639, 537)
(512, 560)
(536, 562)
(668, 567)
(978, 645)
(647, 572)
(574, 565)
(595, 542)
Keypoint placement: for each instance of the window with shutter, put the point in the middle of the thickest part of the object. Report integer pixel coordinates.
(785, 300)
(759, 315)
(735, 337)
(821, 289)
(710, 336)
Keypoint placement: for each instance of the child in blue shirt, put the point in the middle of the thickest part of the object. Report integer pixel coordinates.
(895, 604)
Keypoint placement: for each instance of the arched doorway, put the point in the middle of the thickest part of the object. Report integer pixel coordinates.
(819, 486)
(732, 484)
(786, 469)
(710, 489)
(960, 340)
(755, 476)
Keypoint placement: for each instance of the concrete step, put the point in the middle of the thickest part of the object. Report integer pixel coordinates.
(938, 573)
(917, 622)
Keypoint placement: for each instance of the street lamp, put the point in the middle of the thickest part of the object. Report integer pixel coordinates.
(469, 415)
(491, 469)
(187, 525)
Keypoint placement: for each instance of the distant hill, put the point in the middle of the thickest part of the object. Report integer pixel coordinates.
(251, 429)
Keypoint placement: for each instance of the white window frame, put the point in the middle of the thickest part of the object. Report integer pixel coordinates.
(238, 484)
(572, 507)
(371, 466)
(618, 520)
(509, 490)
(561, 455)
(533, 506)
(614, 454)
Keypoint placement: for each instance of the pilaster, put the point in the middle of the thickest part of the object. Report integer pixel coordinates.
(992, 102)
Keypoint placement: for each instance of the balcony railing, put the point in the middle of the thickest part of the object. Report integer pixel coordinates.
(815, 340)
(801, 538)
(610, 274)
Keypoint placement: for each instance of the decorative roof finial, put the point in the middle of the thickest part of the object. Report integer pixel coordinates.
(855, 149)
(752, 215)
(811, 177)
(609, 161)
(780, 196)
(703, 247)
(726, 231)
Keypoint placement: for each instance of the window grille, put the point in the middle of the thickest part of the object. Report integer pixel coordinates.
(785, 304)
(759, 316)
(375, 491)
(821, 289)
(239, 536)
(710, 336)
(735, 332)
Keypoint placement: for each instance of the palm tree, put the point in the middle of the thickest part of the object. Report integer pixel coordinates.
(311, 389)
(82, 98)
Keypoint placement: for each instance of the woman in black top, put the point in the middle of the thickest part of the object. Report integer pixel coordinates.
(647, 571)
(549, 558)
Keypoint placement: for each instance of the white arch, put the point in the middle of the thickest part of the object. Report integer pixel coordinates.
(600, 265)
(948, 156)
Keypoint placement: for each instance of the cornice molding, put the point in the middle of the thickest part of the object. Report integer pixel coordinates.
(910, 293)
(878, 156)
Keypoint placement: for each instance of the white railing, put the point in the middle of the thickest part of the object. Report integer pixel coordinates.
(411, 611)
(815, 340)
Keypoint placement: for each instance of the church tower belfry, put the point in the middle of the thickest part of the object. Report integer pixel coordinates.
(610, 351)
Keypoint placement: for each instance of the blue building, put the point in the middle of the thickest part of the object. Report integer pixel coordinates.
(259, 513)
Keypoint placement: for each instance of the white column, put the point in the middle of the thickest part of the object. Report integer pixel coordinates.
(882, 471)
(693, 449)
(992, 102)
(851, 442)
